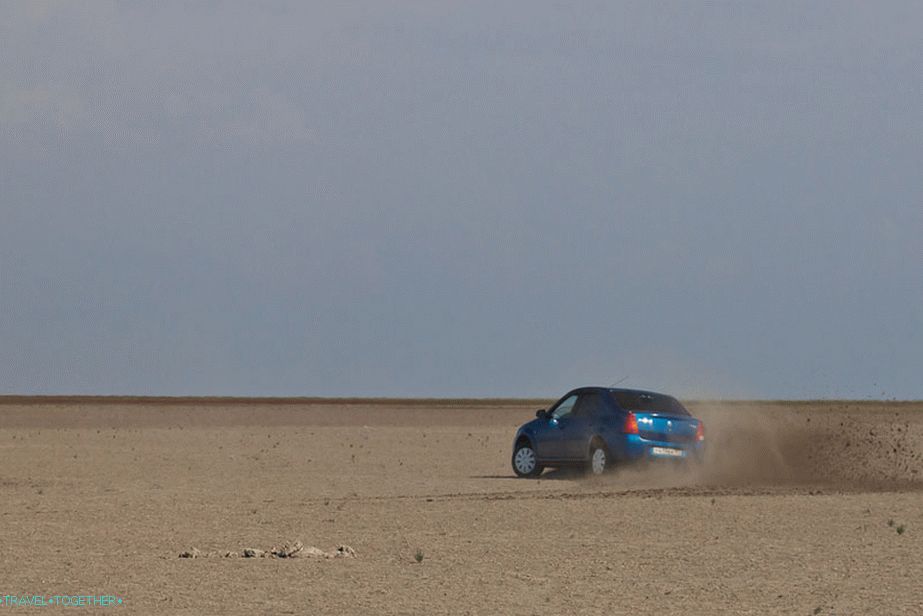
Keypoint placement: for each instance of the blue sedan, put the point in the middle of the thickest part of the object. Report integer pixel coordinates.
(596, 427)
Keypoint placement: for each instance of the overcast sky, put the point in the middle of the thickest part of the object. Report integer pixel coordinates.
(461, 199)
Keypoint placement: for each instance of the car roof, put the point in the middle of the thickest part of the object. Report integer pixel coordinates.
(641, 392)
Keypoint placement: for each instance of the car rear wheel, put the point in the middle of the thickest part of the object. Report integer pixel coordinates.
(599, 459)
(525, 463)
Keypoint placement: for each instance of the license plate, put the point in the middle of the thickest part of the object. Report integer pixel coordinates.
(667, 451)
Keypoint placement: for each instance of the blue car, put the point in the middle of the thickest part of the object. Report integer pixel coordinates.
(597, 427)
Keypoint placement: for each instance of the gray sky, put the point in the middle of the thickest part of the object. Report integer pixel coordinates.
(464, 198)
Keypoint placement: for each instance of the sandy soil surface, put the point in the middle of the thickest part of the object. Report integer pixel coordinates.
(796, 511)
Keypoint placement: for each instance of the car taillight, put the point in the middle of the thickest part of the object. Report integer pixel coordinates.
(631, 424)
(700, 432)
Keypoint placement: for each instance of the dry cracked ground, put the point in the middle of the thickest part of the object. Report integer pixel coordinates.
(801, 508)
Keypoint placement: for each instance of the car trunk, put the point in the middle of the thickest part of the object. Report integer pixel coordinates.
(666, 428)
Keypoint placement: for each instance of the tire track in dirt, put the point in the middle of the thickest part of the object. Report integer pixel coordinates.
(678, 491)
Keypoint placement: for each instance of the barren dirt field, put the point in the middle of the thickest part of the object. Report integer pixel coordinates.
(801, 508)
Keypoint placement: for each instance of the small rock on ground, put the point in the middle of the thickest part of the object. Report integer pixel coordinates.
(285, 550)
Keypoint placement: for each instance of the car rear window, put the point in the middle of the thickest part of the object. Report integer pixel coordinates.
(649, 403)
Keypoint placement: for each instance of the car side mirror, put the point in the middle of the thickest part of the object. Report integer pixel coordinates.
(541, 413)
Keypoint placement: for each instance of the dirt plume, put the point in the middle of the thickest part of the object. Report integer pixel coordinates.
(841, 444)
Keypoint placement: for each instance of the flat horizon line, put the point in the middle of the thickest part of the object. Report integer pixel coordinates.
(13, 399)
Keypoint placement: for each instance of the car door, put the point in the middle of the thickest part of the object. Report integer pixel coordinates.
(579, 425)
(551, 434)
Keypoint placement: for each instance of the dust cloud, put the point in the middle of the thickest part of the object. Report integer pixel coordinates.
(838, 445)
(812, 443)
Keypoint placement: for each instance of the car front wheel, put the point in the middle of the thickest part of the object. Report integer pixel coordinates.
(525, 463)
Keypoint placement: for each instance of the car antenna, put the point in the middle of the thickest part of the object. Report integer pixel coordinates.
(620, 381)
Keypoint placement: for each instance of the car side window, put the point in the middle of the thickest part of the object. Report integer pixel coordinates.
(565, 408)
(590, 405)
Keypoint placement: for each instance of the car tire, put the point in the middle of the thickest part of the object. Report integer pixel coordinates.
(599, 461)
(525, 462)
